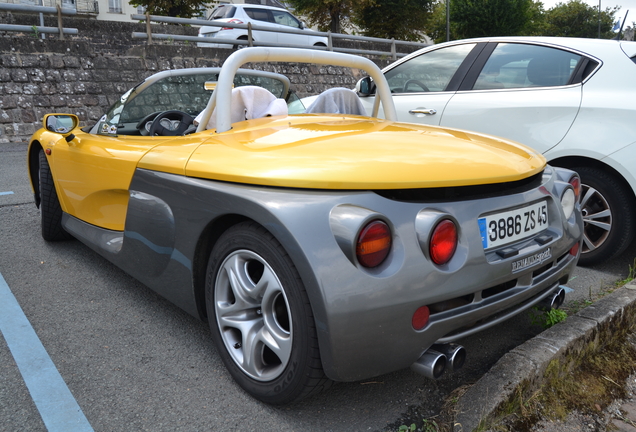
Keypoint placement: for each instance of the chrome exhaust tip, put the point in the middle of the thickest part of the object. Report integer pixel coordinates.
(455, 355)
(554, 300)
(431, 364)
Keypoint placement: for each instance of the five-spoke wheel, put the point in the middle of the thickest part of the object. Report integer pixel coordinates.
(252, 313)
(260, 316)
(608, 216)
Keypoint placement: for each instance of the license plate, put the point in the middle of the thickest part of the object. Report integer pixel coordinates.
(509, 226)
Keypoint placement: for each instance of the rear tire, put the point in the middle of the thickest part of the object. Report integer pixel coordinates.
(50, 209)
(608, 216)
(260, 317)
(242, 38)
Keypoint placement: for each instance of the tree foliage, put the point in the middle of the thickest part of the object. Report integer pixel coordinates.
(173, 8)
(436, 25)
(578, 19)
(332, 15)
(399, 19)
(478, 18)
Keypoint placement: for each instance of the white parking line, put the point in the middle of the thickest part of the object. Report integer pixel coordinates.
(6, 193)
(57, 406)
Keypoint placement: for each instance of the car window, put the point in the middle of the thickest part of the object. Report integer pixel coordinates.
(259, 14)
(223, 12)
(431, 71)
(286, 19)
(185, 93)
(514, 65)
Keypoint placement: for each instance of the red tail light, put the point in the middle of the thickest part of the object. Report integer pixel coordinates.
(374, 244)
(420, 318)
(443, 242)
(233, 21)
(575, 181)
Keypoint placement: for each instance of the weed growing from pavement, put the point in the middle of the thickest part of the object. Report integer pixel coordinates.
(547, 319)
(427, 426)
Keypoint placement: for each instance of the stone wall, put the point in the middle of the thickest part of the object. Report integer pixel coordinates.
(85, 74)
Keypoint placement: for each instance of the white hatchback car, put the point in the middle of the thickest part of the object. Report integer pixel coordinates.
(573, 100)
(272, 24)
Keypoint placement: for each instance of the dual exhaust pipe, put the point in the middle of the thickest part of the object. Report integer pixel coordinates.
(438, 358)
(554, 300)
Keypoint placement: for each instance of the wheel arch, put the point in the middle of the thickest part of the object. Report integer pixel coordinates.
(33, 163)
(208, 238)
(211, 234)
(571, 162)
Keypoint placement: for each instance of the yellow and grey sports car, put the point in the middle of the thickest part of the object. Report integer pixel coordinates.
(320, 246)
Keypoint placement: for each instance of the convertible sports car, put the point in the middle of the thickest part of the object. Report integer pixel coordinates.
(571, 99)
(319, 247)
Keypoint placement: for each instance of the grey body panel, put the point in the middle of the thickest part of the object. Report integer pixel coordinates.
(363, 316)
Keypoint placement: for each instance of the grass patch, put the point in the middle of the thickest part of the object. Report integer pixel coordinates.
(586, 382)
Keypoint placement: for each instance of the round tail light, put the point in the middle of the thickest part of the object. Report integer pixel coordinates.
(443, 242)
(568, 202)
(374, 244)
(420, 318)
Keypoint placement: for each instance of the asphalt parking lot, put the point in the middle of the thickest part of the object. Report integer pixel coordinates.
(134, 362)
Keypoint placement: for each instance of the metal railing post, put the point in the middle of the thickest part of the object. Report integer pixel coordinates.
(250, 41)
(148, 29)
(393, 50)
(329, 41)
(59, 22)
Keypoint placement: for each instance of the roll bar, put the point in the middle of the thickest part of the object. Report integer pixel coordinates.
(223, 93)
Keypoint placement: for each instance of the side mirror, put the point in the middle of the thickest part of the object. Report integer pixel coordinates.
(303, 26)
(60, 123)
(365, 87)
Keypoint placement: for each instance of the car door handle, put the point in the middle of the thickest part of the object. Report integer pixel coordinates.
(429, 111)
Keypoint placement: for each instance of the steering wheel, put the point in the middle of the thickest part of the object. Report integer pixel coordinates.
(144, 124)
(170, 123)
(418, 83)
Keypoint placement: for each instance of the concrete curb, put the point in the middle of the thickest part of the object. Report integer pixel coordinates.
(523, 368)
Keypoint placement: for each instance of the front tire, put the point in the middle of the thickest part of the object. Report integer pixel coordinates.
(260, 317)
(608, 216)
(50, 209)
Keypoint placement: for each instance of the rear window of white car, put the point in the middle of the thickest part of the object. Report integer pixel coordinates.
(515, 65)
(223, 12)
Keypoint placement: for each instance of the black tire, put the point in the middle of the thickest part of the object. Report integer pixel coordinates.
(253, 285)
(608, 216)
(50, 209)
(243, 38)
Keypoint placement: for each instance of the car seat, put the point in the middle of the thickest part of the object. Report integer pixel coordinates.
(250, 102)
(547, 71)
(337, 100)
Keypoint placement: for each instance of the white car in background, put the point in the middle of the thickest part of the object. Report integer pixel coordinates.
(275, 20)
(573, 100)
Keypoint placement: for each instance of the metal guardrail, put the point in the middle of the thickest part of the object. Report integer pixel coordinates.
(60, 30)
(251, 42)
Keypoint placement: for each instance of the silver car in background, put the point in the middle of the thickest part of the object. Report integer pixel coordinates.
(271, 24)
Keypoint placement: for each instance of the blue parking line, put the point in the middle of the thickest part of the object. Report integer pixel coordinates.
(57, 406)
(6, 193)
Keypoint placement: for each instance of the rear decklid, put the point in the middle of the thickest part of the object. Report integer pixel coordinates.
(327, 152)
